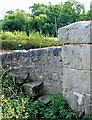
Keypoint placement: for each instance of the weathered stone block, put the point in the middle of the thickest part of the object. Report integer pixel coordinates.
(33, 88)
(88, 103)
(78, 32)
(86, 54)
(77, 56)
(71, 56)
(76, 80)
(71, 99)
(45, 98)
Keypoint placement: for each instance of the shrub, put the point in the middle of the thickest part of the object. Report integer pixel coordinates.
(19, 40)
(7, 35)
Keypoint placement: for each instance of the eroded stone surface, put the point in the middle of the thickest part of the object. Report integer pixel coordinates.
(38, 65)
(77, 64)
(78, 32)
(45, 98)
(77, 56)
(33, 88)
(77, 80)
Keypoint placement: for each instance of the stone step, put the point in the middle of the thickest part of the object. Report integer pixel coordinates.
(46, 98)
(33, 88)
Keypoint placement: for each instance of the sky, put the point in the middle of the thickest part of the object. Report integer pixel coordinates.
(6, 5)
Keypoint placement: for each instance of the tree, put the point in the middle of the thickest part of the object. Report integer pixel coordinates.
(46, 18)
(16, 21)
(1, 24)
(57, 15)
(89, 13)
(38, 9)
(9, 12)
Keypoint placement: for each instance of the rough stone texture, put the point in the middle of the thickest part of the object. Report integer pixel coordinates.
(76, 80)
(33, 88)
(36, 65)
(45, 98)
(77, 56)
(78, 32)
(77, 65)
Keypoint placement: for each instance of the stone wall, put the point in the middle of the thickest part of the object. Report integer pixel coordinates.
(76, 55)
(65, 69)
(36, 65)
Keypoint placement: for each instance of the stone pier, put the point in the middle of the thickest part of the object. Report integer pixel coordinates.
(77, 64)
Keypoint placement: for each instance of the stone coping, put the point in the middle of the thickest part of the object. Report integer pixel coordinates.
(78, 32)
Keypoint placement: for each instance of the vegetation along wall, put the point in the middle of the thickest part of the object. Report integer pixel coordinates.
(65, 69)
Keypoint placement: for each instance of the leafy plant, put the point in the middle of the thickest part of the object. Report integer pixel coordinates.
(88, 117)
(17, 105)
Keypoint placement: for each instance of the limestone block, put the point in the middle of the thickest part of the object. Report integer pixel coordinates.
(71, 99)
(33, 88)
(86, 54)
(22, 74)
(78, 32)
(77, 56)
(76, 80)
(71, 56)
(88, 103)
(45, 98)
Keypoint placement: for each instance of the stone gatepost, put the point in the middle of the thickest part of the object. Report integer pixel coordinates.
(77, 65)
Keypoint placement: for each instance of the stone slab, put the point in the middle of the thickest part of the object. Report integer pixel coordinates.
(45, 98)
(76, 80)
(33, 88)
(77, 56)
(78, 32)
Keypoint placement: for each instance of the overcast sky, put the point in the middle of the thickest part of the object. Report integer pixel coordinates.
(6, 5)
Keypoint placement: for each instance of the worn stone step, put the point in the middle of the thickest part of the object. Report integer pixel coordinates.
(33, 88)
(46, 98)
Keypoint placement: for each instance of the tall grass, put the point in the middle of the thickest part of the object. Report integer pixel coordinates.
(19, 40)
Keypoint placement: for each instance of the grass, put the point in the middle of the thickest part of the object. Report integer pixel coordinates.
(19, 40)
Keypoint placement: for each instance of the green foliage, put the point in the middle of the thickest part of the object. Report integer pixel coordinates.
(7, 35)
(45, 18)
(17, 105)
(88, 117)
(57, 15)
(59, 109)
(10, 12)
(13, 98)
(19, 40)
(17, 21)
(14, 108)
